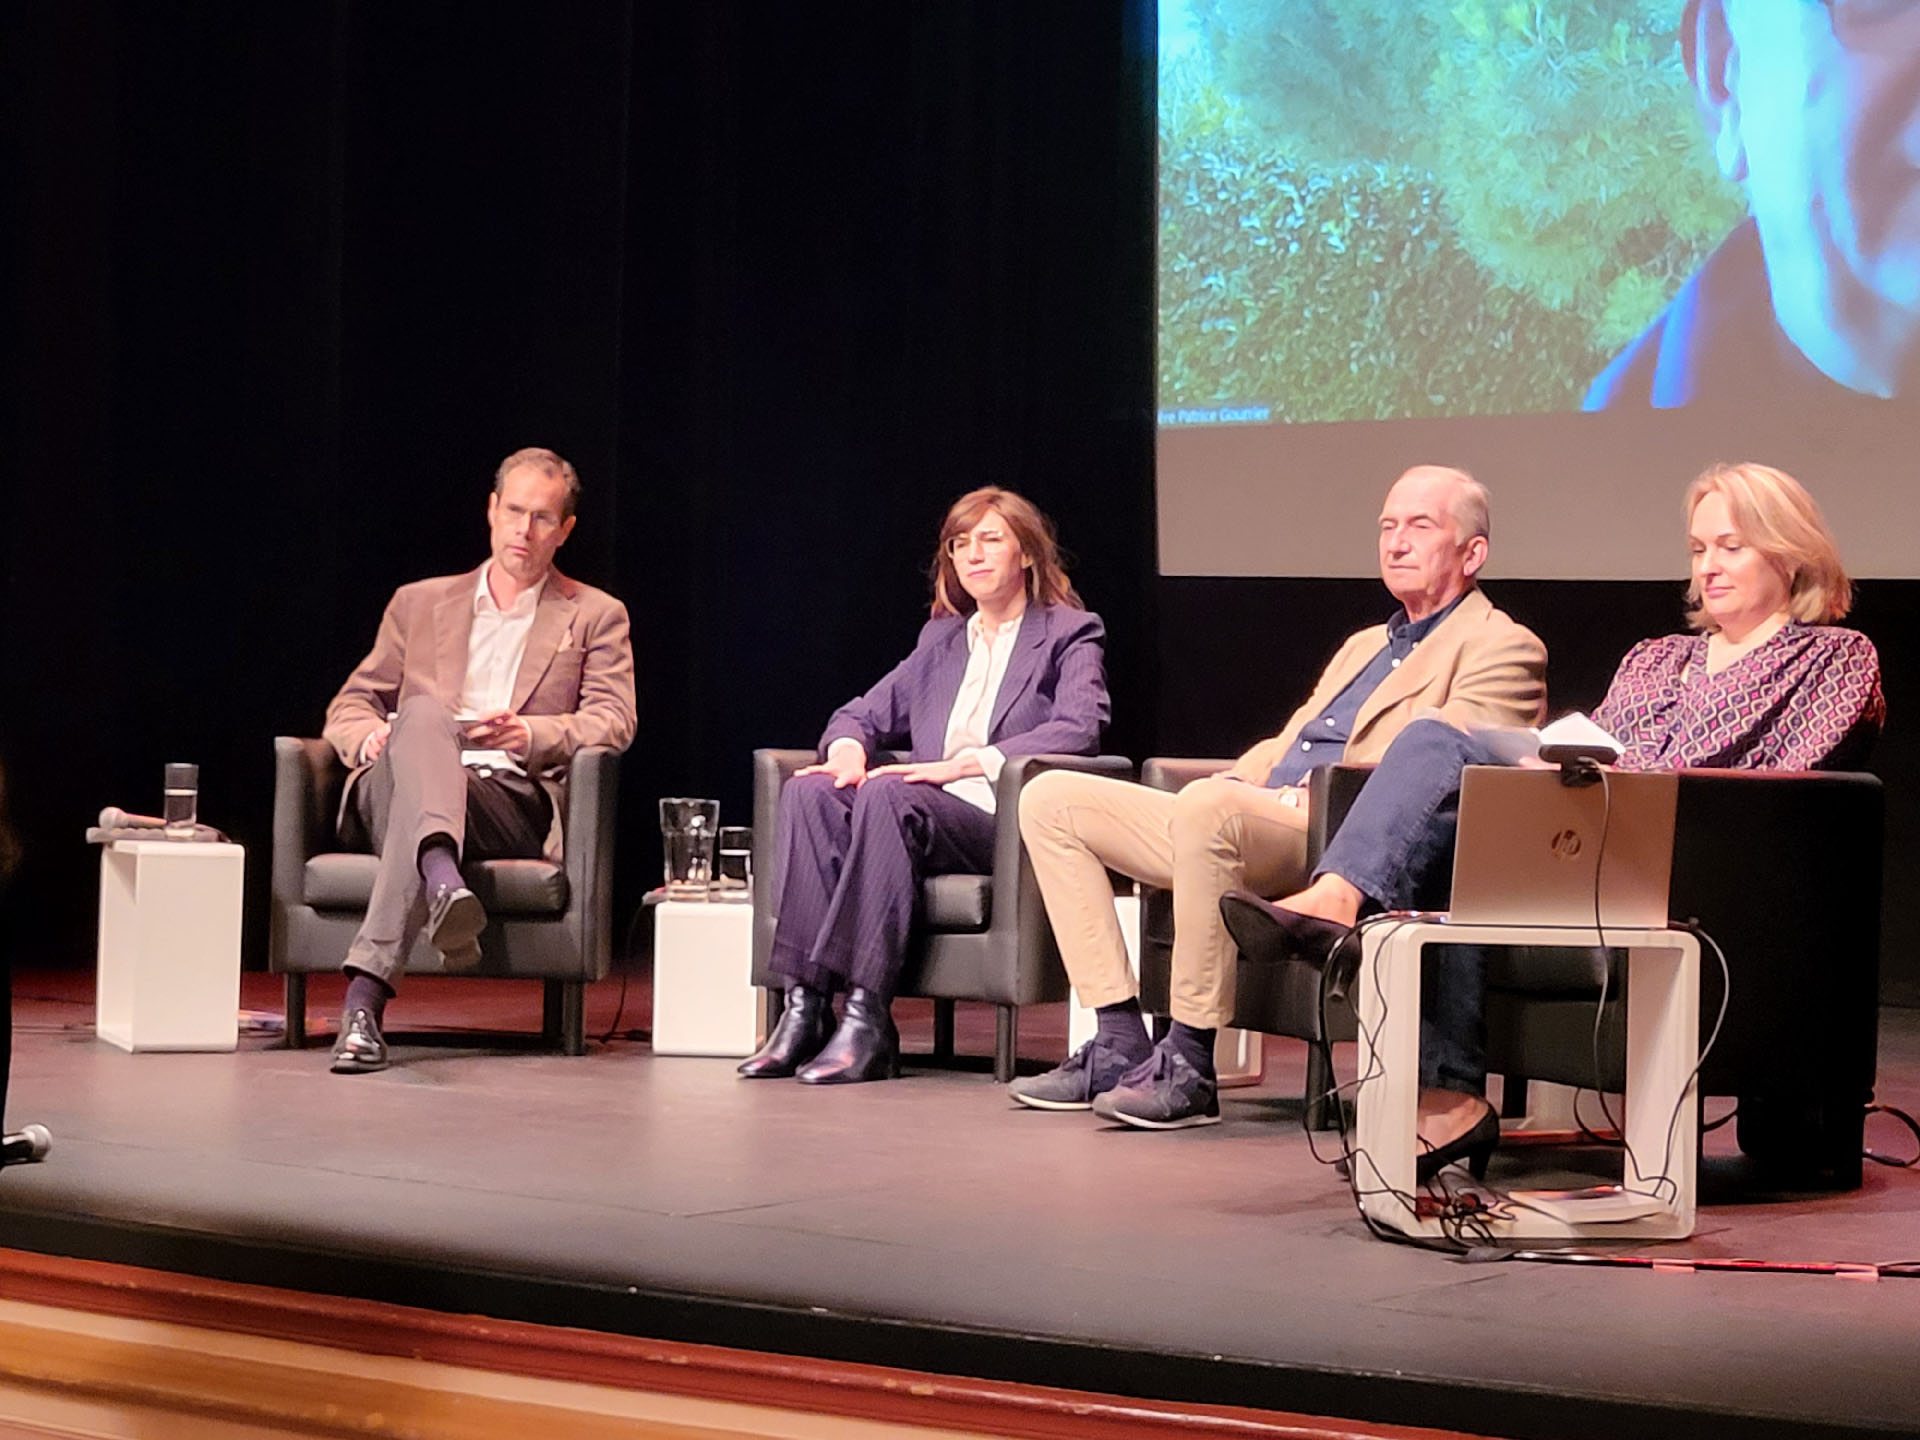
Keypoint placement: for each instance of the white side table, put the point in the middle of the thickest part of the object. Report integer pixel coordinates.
(704, 1001)
(1662, 1112)
(1238, 1056)
(169, 953)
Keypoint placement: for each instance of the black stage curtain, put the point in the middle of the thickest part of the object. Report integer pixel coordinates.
(781, 280)
(288, 280)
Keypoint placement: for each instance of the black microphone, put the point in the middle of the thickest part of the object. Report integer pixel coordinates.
(30, 1145)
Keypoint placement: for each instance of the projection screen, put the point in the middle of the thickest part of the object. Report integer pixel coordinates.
(1582, 249)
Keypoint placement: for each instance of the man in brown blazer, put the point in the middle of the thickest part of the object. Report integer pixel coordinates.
(457, 729)
(1446, 650)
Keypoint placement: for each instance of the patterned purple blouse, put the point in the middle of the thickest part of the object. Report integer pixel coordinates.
(1808, 699)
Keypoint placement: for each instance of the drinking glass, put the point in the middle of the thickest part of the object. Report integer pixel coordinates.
(733, 878)
(687, 831)
(180, 796)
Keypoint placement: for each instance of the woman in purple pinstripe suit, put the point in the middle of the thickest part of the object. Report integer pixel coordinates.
(1008, 665)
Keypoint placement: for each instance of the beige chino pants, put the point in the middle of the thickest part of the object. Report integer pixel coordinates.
(1214, 836)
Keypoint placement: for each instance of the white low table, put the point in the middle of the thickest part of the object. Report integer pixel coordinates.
(704, 1000)
(1662, 1111)
(169, 963)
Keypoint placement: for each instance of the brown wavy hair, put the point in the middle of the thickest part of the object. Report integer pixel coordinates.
(1047, 582)
(1778, 518)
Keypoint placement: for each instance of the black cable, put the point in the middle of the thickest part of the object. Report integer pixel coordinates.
(626, 973)
(1451, 1219)
(1662, 1182)
(1587, 1132)
(1905, 1119)
(1890, 1270)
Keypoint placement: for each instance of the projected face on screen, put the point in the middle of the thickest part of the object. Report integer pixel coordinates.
(1815, 109)
(1388, 209)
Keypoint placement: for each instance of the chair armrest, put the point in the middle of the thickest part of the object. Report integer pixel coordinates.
(1009, 855)
(587, 835)
(771, 771)
(1331, 791)
(1164, 773)
(307, 777)
(593, 794)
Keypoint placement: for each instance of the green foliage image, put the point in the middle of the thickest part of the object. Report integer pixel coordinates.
(1388, 208)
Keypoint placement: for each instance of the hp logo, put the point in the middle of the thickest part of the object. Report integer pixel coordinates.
(1565, 844)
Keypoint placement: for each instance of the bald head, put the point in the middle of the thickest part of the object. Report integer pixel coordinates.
(1433, 537)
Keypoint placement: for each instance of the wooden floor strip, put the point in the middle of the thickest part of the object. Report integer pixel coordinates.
(242, 1355)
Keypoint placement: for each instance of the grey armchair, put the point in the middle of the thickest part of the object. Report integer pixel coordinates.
(981, 937)
(1783, 871)
(1273, 999)
(548, 922)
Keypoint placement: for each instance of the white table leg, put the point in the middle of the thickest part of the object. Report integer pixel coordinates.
(1656, 1198)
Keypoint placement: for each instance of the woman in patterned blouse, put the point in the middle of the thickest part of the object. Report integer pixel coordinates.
(1769, 682)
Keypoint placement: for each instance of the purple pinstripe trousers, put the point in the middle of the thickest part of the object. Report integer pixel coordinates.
(851, 862)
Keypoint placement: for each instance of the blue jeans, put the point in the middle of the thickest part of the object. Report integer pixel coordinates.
(1396, 847)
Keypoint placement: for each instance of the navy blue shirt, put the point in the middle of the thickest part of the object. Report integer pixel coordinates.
(1324, 738)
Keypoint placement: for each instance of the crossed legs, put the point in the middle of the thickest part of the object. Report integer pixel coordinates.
(1394, 851)
(421, 811)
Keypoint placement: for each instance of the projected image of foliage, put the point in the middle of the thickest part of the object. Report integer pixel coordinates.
(1383, 208)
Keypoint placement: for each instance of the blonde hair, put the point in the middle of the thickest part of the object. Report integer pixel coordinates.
(1047, 582)
(1776, 516)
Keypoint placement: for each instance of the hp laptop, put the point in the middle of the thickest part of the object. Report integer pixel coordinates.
(1533, 850)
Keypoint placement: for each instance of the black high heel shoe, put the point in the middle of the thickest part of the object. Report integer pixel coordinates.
(865, 1047)
(1477, 1145)
(801, 1034)
(1269, 934)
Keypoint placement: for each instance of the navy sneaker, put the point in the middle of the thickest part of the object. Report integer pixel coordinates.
(1162, 1092)
(361, 1049)
(1092, 1070)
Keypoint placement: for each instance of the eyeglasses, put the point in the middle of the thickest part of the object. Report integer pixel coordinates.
(991, 541)
(1874, 24)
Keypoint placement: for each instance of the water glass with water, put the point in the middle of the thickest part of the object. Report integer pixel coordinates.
(688, 828)
(180, 796)
(733, 878)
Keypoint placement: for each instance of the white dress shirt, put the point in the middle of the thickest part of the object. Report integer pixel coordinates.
(972, 714)
(495, 646)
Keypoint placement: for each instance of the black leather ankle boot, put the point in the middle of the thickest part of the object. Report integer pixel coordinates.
(802, 1029)
(865, 1047)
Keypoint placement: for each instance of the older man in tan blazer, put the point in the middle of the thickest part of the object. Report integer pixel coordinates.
(1446, 650)
(458, 728)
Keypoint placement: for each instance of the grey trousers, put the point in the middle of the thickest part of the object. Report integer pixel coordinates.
(418, 789)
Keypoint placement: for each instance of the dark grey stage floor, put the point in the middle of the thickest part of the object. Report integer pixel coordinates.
(929, 1223)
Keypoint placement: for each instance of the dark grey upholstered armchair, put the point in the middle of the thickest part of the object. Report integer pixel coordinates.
(1275, 999)
(981, 937)
(1783, 871)
(548, 922)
